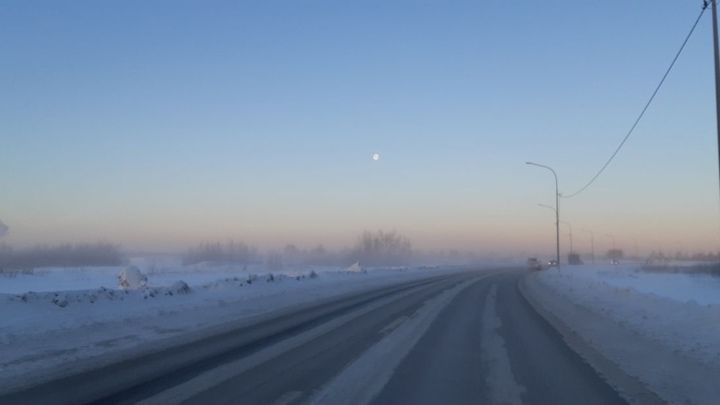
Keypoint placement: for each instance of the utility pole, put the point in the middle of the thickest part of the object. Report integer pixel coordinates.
(570, 227)
(717, 73)
(637, 255)
(592, 244)
(613, 239)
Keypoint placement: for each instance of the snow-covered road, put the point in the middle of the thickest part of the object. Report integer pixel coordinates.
(459, 338)
(651, 335)
(88, 316)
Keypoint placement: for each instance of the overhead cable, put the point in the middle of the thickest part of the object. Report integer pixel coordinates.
(642, 113)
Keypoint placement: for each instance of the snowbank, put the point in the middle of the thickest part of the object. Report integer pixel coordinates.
(681, 311)
(678, 315)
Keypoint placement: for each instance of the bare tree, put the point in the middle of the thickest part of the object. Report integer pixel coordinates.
(274, 261)
(382, 249)
(66, 255)
(215, 252)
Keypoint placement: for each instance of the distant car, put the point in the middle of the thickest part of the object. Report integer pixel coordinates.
(534, 264)
(552, 263)
(614, 261)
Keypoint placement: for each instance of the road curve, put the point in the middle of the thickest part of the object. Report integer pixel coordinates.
(453, 339)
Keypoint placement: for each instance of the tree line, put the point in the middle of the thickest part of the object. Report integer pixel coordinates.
(378, 248)
(64, 255)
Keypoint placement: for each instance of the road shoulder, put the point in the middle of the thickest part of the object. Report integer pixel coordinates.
(602, 343)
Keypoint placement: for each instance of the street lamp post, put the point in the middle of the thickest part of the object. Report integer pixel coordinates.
(681, 248)
(637, 254)
(613, 239)
(592, 244)
(557, 210)
(569, 225)
(546, 206)
(716, 58)
(613, 246)
(660, 253)
(551, 208)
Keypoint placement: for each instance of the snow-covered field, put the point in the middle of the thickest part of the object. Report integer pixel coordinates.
(672, 320)
(681, 310)
(53, 316)
(681, 287)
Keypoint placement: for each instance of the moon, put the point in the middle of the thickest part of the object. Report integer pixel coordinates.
(376, 156)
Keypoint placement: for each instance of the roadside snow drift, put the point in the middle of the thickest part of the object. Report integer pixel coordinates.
(677, 316)
(131, 278)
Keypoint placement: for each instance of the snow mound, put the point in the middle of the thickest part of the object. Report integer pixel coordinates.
(180, 287)
(312, 274)
(63, 298)
(131, 278)
(356, 268)
(225, 282)
(177, 288)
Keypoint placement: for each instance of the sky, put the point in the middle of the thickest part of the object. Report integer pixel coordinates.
(159, 125)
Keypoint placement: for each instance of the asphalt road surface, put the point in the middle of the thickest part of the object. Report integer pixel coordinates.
(467, 338)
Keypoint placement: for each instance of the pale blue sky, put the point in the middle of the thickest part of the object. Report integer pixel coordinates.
(161, 124)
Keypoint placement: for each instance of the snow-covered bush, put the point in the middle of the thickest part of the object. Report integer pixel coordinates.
(180, 287)
(131, 278)
(312, 274)
(62, 302)
(356, 268)
(177, 288)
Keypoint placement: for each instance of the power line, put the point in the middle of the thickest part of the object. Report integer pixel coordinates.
(677, 55)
